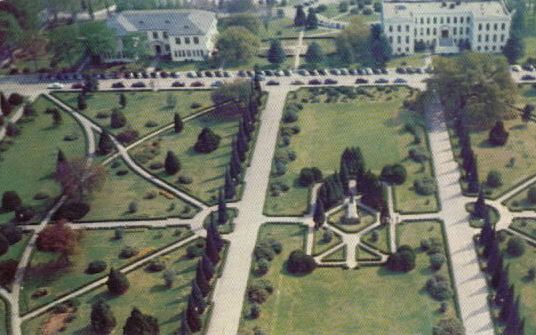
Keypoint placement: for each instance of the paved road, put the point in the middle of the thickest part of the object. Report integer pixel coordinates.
(231, 287)
(469, 280)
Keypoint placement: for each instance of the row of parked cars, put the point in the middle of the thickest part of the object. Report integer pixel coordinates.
(525, 67)
(331, 81)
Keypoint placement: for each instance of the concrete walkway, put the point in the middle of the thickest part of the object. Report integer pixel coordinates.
(469, 280)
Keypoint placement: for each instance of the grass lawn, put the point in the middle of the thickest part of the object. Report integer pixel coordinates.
(283, 27)
(141, 107)
(147, 292)
(525, 289)
(515, 160)
(378, 238)
(367, 18)
(28, 162)
(113, 200)
(206, 170)
(364, 255)
(375, 301)
(525, 226)
(3, 317)
(320, 245)
(366, 219)
(337, 256)
(373, 121)
(416, 60)
(95, 245)
(15, 251)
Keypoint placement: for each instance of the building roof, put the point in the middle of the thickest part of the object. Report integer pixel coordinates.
(175, 22)
(410, 9)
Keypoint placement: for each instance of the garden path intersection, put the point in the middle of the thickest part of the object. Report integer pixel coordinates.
(229, 292)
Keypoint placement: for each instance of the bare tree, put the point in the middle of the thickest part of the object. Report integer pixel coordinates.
(78, 178)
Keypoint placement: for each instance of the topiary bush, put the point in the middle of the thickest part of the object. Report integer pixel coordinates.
(437, 261)
(309, 176)
(394, 174)
(418, 154)
(516, 246)
(155, 266)
(96, 267)
(259, 291)
(403, 260)
(498, 135)
(425, 186)
(439, 287)
(207, 141)
(128, 252)
(494, 179)
(300, 263)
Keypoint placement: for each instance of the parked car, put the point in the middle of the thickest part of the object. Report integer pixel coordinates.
(381, 81)
(384, 71)
(55, 86)
(197, 84)
(376, 71)
(303, 72)
(218, 73)
(315, 82)
(178, 84)
(118, 84)
(401, 70)
(361, 81)
(419, 70)
(191, 74)
(400, 81)
(272, 83)
(516, 68)
(77, 86)
(226, 74)
(330, 81)
(145, 75)
(528, 77)
(217, 83)
(353, 72)
(209, 74)
(199, 74)
(287, 73)
(164, 74)
(297, 82)
(242, 73)
(528, 67)
(138, 84)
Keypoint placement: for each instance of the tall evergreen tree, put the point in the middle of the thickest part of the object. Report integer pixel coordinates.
(208, 267)
(345, 178)
(201, 280)
(498, 273)
(312, 21)
(235, 168)
(244, 127)
(198, 298)
(105, 144)
(507, 306)
(211, 249)
(5, 106)
(319, 216)
(229, 186)
(214, 234)
(486, 232)
(276, 55)
(503, 287)
(300, 17)
(514, 48)
(102, 318)
(185, 328)
(192, 315)
(81, 102)
(222, 208)
(61, 157)
(172, 164)
(480, 209)
(178, 125)
(314, 53)
(141, 324)
(242, 146)
(122, 100)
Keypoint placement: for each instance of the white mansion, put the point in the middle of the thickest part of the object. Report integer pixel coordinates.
(446, 26)
(178, 34)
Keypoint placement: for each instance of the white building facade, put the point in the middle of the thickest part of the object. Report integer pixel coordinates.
(446, 27)
(180, 35)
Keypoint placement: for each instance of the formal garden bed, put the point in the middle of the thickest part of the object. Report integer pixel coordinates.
(378, 238)
(143, 283)
(372, 119)
(339, 220)
(52, 274)
(502, 167)
(523, 200)
(525, 226)
(325, 239)
(144, 111)
(28, 161)
(292, 303)
(127, 196)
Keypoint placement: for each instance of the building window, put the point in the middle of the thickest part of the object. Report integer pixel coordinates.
(480, 26)
(391, 39)
(487, 26)
(407, 39)
(435, 20)
(155, 34)
(415, 31)
(493, 48)
(390, 29)
(486, 48)
(503, 26)
(165, 34)
(479, 38)
(399, 28)
(468, 20)
(399, 50)
(189, 53)
(467, 31)
(494, 38)
(495, 27)
(422, 20)
(196, 40)
(487, 38)
(399, 39)
(407, 28)
(427, 31)
(427, 20)
(441, 20)
(502, 38)
(455, 19)
(177, 40)
(461, 19)
(407, 49)
(187, 40)
(448, 19)
(479, 48)
(435, 31)
(167, 47)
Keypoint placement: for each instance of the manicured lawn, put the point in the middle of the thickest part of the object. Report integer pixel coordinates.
(28, 163)
(515, 160)
(206, 170)
(283, 27)
(373, 121)
(15, 251)
(320, 245)
(147, 292)
(113, 200)
(525, 289)
(416, 60)
(526, 226)
(381, 242)
(369, 301)
(94, 245)
(364, 255)
(337, 256)
(141, 107)
(366, 219)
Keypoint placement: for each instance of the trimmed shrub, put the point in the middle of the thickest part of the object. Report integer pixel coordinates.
(439, 287)
(403, 260)
(117, 119)
(309, 176)
(394, 174)
(425, 186)
(300, 263)
(15, 99)
(24, 213)
(498, 135)
(207, 141)
(255, 311)
(10, 201)
(155, 266)
(437, 261)
(185, 180)
(259, 291)
(12, 232)
(290, 116)
(516, 246)
(96, 267)
(195, 250)
(494, 179)
(418, 154)
(263, 265)
(133, 207)
(128, 252)
(127, 136)
(72, 211)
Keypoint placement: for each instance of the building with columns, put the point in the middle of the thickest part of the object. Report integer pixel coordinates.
(446, 26)
(180, 35)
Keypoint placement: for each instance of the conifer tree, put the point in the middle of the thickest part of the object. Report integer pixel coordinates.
(185, 328)
(480, 209)
(235, 168)
(139, 323)
(208, 267)
(507, 305)
(229, 186)
(319, 216)
(201, 280)
(198, 298)
(117, 283)
(81, 102)
(122, 100)
(345, 178)
(211, 249)
(242, 147)
(311, 21)
(498, 273)
(102, 318)
(243, 128)
(503, 286)
(192, 315)
(222, 208)
(300, 17)
(172, 164)
(105, 144)
(486, 232)
(214, 234)
(5, 106)
(178, 125)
